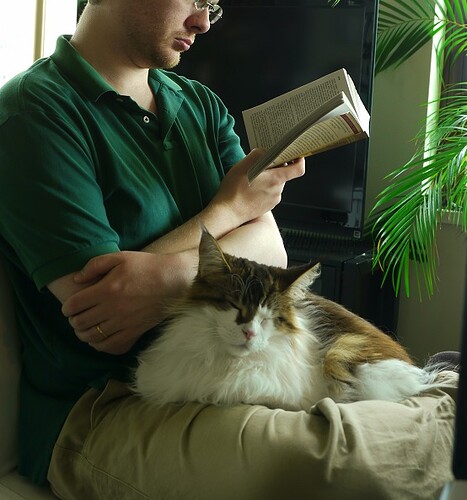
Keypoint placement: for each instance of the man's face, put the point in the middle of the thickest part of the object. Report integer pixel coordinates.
(159, 31)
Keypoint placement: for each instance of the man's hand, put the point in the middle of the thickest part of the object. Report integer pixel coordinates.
(129, 297)
(244, 201)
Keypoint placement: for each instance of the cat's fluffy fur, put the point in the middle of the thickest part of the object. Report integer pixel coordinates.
(249, 333)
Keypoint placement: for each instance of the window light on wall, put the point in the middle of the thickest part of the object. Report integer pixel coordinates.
(29, 30)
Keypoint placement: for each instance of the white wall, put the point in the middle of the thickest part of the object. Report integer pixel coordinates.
(398, 112)
(434, 325)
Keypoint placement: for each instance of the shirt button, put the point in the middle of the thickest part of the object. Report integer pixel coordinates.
(146, 119)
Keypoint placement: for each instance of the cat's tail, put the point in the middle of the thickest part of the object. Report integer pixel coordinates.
(444, 361)
(395, 380)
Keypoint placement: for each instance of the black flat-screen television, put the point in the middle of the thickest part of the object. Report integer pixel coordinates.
(262, 48)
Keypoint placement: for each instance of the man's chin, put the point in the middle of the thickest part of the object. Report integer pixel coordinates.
(167, 62)
(174, 61)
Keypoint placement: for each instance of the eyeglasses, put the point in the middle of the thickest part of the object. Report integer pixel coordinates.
(214, 9)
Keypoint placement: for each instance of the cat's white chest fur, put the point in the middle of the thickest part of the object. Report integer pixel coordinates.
(204, 355)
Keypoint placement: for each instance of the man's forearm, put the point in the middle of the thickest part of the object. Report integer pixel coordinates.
(257, 240)
(217, 219)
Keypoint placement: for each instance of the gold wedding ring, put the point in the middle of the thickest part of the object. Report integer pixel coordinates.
(100, 331)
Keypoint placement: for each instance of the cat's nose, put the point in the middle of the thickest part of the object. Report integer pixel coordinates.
(249, 334)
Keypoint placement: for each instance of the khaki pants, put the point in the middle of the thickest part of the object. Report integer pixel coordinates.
(115, 446)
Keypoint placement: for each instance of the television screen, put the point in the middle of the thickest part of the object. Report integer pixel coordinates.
(263, 48)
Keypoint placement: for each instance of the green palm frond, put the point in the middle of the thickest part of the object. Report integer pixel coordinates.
(403, 29)
(410, 209)
(434, 182)
(405, 26)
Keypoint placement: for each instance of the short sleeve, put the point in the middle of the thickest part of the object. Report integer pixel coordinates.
(52, 212)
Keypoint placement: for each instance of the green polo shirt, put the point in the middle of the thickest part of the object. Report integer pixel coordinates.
(85, 171)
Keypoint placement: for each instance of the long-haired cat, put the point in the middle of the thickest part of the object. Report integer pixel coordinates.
(250, 333)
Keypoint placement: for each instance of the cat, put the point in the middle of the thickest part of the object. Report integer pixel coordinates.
(256, 334)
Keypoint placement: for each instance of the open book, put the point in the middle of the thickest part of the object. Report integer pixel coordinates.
(321, 115)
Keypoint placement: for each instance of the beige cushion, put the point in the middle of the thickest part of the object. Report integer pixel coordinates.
(15, 487)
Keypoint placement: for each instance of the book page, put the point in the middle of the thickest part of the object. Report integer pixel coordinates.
(334, 124)
(362, 113)
(341, 129)
(267, 123)
(307, 121)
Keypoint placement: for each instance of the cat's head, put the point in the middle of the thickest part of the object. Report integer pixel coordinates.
(250, 304)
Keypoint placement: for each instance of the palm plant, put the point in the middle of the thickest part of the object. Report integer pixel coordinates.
(434, 181)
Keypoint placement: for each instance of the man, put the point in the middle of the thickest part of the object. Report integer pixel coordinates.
(101, 155)
(111, 167)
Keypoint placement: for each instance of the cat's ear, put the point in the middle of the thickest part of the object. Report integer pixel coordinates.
(211, 256)
(303, 277)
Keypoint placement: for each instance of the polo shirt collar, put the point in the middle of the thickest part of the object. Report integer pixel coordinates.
(92, 84)
(79, 71)
(163, 79)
